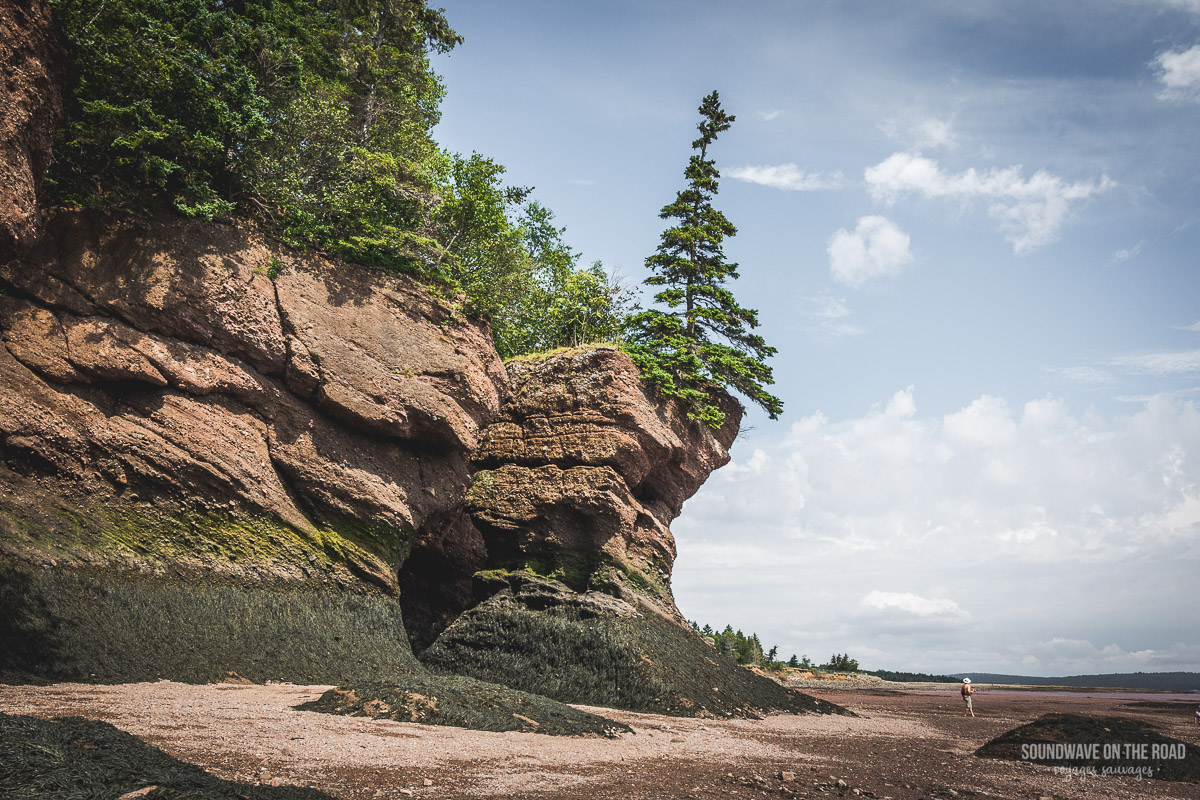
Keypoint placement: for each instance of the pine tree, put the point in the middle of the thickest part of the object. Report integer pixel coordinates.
(704, 341)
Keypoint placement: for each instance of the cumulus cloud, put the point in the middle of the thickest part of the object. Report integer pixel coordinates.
(767, 116)
(788, 177)
(1179, 73)
(959, 541)
(1030, 211)
(876, 248)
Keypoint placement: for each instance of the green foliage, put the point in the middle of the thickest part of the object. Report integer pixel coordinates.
(313, 115)
(513, 268)
(841, 663)
(704, 340)
(741, 648)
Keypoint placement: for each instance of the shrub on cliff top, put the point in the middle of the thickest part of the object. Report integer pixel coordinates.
(313, 115)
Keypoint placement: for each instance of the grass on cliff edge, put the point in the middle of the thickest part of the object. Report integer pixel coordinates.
(464, 703)
(578, 655)
(80, 759)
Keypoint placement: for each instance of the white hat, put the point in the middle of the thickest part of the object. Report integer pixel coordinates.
(966, 680)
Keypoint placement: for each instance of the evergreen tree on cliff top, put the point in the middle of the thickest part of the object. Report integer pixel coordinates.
(704, 341)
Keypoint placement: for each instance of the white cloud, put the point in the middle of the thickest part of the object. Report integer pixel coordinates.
(581, 181)
(914, 604)
(788, 177)
(1127, 253)
(925, 133)
(1192, 6)
(831, 318)
(1029, 211)
(1194, 327)
(1182, 363)
(876, 248)
(1179, 73)
(881, 532)
(1067, 656)
(1083, 375)
(767, 116)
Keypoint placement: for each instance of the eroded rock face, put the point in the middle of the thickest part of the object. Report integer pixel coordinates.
(31, 68)
(161, 371)
(585, 470)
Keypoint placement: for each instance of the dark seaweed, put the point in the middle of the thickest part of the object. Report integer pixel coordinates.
(641, 663)
(465, 703)
(80, 759)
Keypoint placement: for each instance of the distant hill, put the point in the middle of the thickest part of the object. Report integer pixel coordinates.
(1162, 681)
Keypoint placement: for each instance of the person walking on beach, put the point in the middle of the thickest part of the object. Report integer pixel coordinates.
(968, 690)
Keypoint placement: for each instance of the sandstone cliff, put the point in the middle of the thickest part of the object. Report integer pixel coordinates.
(32, 65)
(218, 454)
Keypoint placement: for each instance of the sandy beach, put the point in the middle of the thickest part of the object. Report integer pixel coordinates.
(904, 744)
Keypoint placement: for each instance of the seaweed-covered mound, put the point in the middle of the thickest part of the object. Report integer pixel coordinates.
(71, 625)
(1098, 745)
(79, 759)
(600, 651)
(464, 703)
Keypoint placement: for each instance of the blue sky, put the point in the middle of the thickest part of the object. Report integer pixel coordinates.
(971, 230)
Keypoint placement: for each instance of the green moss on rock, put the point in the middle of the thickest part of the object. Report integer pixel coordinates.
(104, 626)
(597, 656)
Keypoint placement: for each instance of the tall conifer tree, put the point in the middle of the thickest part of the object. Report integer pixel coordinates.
(704, 339)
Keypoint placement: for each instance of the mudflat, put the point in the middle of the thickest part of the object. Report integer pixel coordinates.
(905, 743)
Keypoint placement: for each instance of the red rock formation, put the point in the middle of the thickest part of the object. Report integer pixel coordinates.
(31, 66)
(159, 372)
(586, 469)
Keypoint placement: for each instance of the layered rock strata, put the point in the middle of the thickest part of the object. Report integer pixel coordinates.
(577, 484)
(31, 98)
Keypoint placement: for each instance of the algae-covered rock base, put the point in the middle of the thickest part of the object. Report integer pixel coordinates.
(79, 759)
(463, 703)
(598, 651)
(101, 626)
